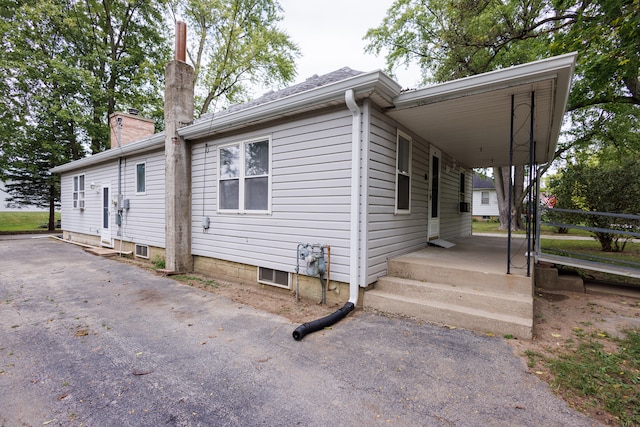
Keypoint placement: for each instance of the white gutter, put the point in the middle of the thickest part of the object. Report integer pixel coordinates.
(154, 141)
(362, 85)
(354, 239)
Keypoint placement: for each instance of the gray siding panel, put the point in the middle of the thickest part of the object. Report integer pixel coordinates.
(311, 179)
(142, 223)
(391, 234)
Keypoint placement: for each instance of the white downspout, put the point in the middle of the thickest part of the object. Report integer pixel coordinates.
(354, 238)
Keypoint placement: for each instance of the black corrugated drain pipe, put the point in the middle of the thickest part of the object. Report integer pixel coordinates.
(316, 325)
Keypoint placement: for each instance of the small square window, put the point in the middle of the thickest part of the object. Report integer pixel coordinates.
(273, 277)
(142, 251)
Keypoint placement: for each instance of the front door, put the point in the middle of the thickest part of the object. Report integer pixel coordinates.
(105, 235)
(434, 194)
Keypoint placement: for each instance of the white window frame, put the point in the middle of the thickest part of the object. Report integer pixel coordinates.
(142, 247)
(484, 201)
(242, 177)
(273, 282)
(144, 164)
(78, 191)
(399, 173)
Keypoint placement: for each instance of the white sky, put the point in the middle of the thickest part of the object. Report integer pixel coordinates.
(329, 34)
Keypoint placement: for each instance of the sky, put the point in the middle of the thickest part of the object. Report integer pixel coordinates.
(329, 34)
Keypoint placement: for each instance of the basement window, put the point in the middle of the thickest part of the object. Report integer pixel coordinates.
(142, 251)
(273, 277)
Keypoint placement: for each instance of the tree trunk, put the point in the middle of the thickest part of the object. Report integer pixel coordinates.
(52, 209)
(501, 177)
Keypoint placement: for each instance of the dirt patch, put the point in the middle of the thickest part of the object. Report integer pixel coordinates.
(560, 315)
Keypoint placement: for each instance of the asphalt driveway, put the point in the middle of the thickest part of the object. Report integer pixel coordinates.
(91, 341)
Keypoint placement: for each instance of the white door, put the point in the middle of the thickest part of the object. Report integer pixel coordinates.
(105, 235)
(434, 194)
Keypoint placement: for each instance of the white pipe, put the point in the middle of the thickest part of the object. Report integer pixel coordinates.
(354, 239)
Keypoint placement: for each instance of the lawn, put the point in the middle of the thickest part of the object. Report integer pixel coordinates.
(492, 227)
(13, 222)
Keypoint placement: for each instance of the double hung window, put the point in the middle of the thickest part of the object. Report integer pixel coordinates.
(78, 191)
(403, 174)
(244, 181)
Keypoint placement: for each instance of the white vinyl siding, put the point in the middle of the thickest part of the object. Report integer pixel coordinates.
(143, 222)
(310, 196)
(403, 173)
(453, 223)
(389, 234)
(485, 209)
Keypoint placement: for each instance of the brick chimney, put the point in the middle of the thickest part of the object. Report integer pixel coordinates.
(129, 127)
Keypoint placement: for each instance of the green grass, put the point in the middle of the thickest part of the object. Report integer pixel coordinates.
(591, 247)
(601, 373)
(492, 227)
(24, 221)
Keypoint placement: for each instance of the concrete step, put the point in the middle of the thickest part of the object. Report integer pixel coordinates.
(519, 305)
(449, 314)
(415, 269)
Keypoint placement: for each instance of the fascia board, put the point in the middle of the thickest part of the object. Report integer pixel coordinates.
(154, 141)
(363, 86)
(559, 67)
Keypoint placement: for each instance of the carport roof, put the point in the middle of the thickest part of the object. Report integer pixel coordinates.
(469, 118)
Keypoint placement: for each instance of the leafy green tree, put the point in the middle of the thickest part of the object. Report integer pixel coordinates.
(450, 39)
(67, 66)
(237, 44)
(596, 186)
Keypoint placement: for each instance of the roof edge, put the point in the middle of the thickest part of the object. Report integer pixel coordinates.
(143, 145)
(498, 79)
(363, 86)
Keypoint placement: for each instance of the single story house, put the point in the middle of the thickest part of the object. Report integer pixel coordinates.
(485, 198)
(348, 162)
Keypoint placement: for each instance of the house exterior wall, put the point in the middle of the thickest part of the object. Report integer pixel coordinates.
(143, 222)
(454, 223)
(390, 234)
(490, 209)
(310, 196)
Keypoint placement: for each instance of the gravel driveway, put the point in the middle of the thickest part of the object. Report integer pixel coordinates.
(91, 341)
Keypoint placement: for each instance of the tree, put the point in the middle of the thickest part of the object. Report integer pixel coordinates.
(237, 44)
(67, 66)
(456, 38)
(601, 185)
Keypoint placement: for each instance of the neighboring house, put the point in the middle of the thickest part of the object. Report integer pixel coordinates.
(485, 199)
(348, 160)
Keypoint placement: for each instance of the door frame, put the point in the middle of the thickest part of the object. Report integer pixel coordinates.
(106, 238)
(433, 220)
